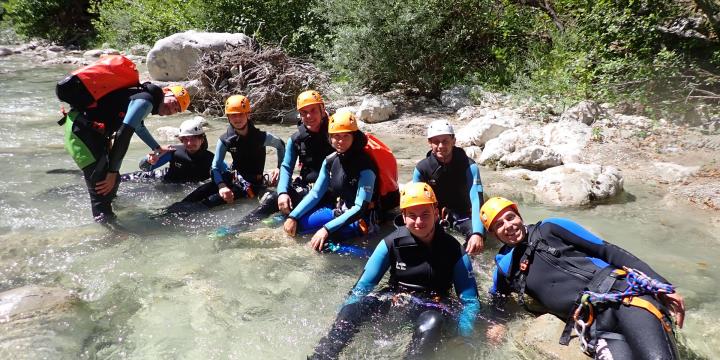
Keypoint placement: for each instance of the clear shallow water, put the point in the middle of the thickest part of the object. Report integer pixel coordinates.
(164, 288)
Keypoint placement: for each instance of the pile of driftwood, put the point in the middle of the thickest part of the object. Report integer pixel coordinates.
(269, 77)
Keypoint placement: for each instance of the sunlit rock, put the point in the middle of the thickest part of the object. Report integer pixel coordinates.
(539, 337)
(586, 112)
(578, 184)
(95, 53)
(140, 50)
(567, 138)
(171, 57)
(533, 157)
(375, 109)
(510, 141)
(671, 172)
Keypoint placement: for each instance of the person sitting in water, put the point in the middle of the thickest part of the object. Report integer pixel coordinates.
(425, 263)
(105, 131)
(455, 178)
(619, 304)
(246, 144)
(189, 162)
(348, 175)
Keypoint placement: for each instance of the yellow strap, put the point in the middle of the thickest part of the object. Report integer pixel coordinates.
(642, 303)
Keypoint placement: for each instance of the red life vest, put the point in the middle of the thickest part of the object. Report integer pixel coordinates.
(85, 86)
(387, 168)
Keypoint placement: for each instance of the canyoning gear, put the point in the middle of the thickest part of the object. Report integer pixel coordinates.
(309, 97)
(310, 150)
(85, 86)
(191, 128)
(439, 127)
(248, 152)
(342, 122)
(237, 104)
(413, 194)
(183, 166)
(81, 145)
(457, 186)
(494, 206)
(387, 172)
(576, 262)
(181, 95)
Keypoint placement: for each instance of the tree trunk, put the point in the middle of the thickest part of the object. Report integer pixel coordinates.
(711, 8)
(547, 7)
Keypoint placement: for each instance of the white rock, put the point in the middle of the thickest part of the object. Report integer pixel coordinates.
(136, 58)
(473, 152)
(201, 120)
(456, 97)
(51, 54)
(578, 184)
(522, 174)
(467, 113)
(567, 138)
(487, 126)
(375, 109)
(167, 133)
(171, 57)
(509, 142)
(111, 52)
(93, 53)
(586, 112)
(140, 49)
(671, 172)
(632, 121)
(5, 51)
(532, 157)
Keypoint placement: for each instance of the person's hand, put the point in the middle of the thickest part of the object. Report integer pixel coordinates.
(273, 177)
(104, 187)
(475, 245)
(226, 194)
(285, 203)
(318, 240)
(164, 148)
(495, 333)
(676, 305)
(290, 226)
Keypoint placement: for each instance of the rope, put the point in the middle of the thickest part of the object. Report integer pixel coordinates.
(638, 284)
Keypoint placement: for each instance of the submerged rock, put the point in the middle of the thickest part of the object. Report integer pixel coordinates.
(172, 57)
(539, 339)
(31, 300)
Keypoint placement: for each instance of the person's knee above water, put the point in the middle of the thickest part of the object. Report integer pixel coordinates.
(424, 263)
(309, 146)
(455, 178)
(113, 120)
(349, 175)
(246, 145)
(594, 285)
(188, 162)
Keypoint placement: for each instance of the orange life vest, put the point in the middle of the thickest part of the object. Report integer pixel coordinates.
(83, 87)
(387, 168)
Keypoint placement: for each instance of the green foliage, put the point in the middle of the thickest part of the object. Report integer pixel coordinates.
(292, 23)
(62, 21)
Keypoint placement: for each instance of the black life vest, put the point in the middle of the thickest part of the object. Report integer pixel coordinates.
(248, 152)
(414, 265)
(312, 149)
(345, 171)
(186, 167)
(449, 182)
(111, 108)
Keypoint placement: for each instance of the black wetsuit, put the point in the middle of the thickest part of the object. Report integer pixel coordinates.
(566, 261)
(183, 167)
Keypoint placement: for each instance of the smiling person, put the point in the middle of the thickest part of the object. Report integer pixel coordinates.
(620, 304)
(100, 136)
(246, 144)
(188, 162)
(455, 178)
(424, 264)
(348, 175)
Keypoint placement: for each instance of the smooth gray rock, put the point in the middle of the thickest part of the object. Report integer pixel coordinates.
(375, 109)
(578, 184)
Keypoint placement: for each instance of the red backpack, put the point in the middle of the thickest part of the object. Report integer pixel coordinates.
(387, 167)
(83, 87)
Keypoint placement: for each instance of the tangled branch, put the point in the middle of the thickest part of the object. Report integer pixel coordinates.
(269, 77)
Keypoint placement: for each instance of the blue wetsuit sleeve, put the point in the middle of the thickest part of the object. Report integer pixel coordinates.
(417, 177)
(377, 265)
(476, 197)
(137, 111)
(572, 233)
(287, 167)
(146, 166)
(466, 289)
(279, 145)
(313, 197)
(363, 197)
(218, 163)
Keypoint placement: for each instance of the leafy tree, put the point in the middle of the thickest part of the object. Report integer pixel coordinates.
(62, 21)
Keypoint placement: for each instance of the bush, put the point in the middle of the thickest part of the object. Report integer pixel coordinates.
(62, 21)
(292, 23)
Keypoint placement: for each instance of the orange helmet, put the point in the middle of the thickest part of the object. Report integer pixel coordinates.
(181, 95)
(237, 104)
(309, 97)
(342, 122)
(491, 208)
(419, 193)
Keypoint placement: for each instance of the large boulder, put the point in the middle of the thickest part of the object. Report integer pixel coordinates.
(586, 112)
(533, 157)
(567, 138)
(375, 109)
(171, 58)
(578, 184)
(486, 125)
(456, 97)
(539, 337)
(510, 141)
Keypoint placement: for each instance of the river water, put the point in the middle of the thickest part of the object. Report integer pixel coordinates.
(165, 288)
